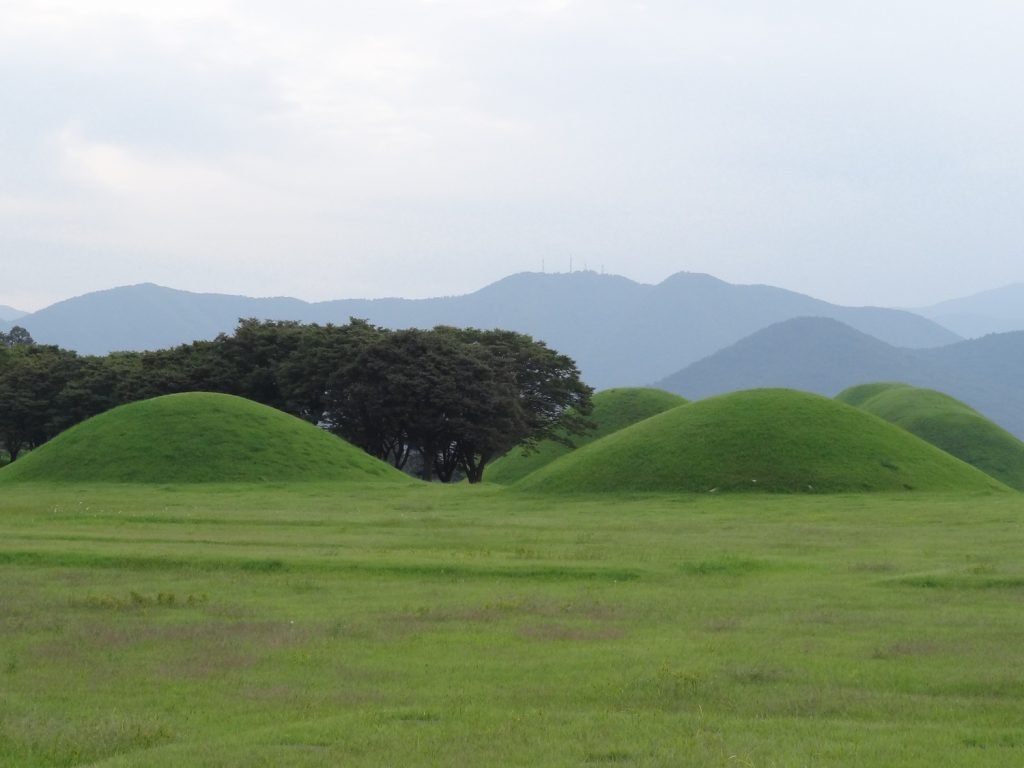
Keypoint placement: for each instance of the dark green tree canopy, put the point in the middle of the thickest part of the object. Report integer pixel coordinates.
(32, 378)
(455, 398)
(444, 401)
(16, 337)
(531, 394)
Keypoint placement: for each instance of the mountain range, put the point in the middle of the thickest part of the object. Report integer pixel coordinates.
(691, 334)
(995, 311)
(621, 333)
(10, 314)
(825, 356)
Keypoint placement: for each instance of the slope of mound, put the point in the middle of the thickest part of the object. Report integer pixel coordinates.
(193, 438)
(765, 440)
(614, 409)
(860, 394)
(947, 423)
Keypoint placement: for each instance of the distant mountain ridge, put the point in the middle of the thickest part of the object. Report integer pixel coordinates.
(621, 333)
(147, 316)
(995, 311)
(10, 314)
(825, 356)
(812, 354)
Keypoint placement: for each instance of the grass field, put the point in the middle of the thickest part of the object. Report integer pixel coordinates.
(313, 625)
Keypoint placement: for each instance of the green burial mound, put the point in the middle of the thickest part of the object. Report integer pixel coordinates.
(946, 423)
(197, 437)
(614, 409)
(770, 440)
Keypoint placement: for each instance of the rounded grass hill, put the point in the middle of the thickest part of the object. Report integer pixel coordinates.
(197, 437)
(759, 440)
(947, 423)
(614, 409)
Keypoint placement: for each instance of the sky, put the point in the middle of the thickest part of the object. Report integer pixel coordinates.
(863, 153)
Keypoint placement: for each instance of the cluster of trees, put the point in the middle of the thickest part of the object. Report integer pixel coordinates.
(441, 402)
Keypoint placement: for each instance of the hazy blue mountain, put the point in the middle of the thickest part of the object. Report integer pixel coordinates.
(825, 356)
(146, 316)
(621, 333)
(996, 352)
(996, 311)
(814, 354)
(10, 314)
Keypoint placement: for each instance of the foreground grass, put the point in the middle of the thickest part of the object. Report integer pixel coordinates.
(311, 625)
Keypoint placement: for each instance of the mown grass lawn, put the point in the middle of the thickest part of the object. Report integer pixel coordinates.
(314, 625)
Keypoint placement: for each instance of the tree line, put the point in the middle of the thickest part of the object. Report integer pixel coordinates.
(441, 403)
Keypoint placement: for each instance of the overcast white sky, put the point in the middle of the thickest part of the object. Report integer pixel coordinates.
(864, 152)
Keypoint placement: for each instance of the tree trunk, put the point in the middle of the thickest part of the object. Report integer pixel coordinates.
(13, 448)
(474, 468)
(427, 468)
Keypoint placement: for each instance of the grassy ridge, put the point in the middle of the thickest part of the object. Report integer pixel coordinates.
(614, 409)
(765, 440)
(424, 626)
(196, 438)
(947, 423)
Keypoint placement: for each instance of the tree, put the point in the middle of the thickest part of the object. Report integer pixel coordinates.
(450, 399)
(377, 400)
(456, 399)
(283, 364)
(95, 385)
(254, 352)
(16, 337)
(535, 394)
(165, 372)
(308, 375)
(31, 380)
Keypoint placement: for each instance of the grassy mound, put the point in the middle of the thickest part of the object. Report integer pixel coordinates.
(195, 438)
(857, 396)
(759, 440)
(947, 423)
(614, 409)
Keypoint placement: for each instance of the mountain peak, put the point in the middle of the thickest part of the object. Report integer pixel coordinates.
(693, 278)
(10, 314)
